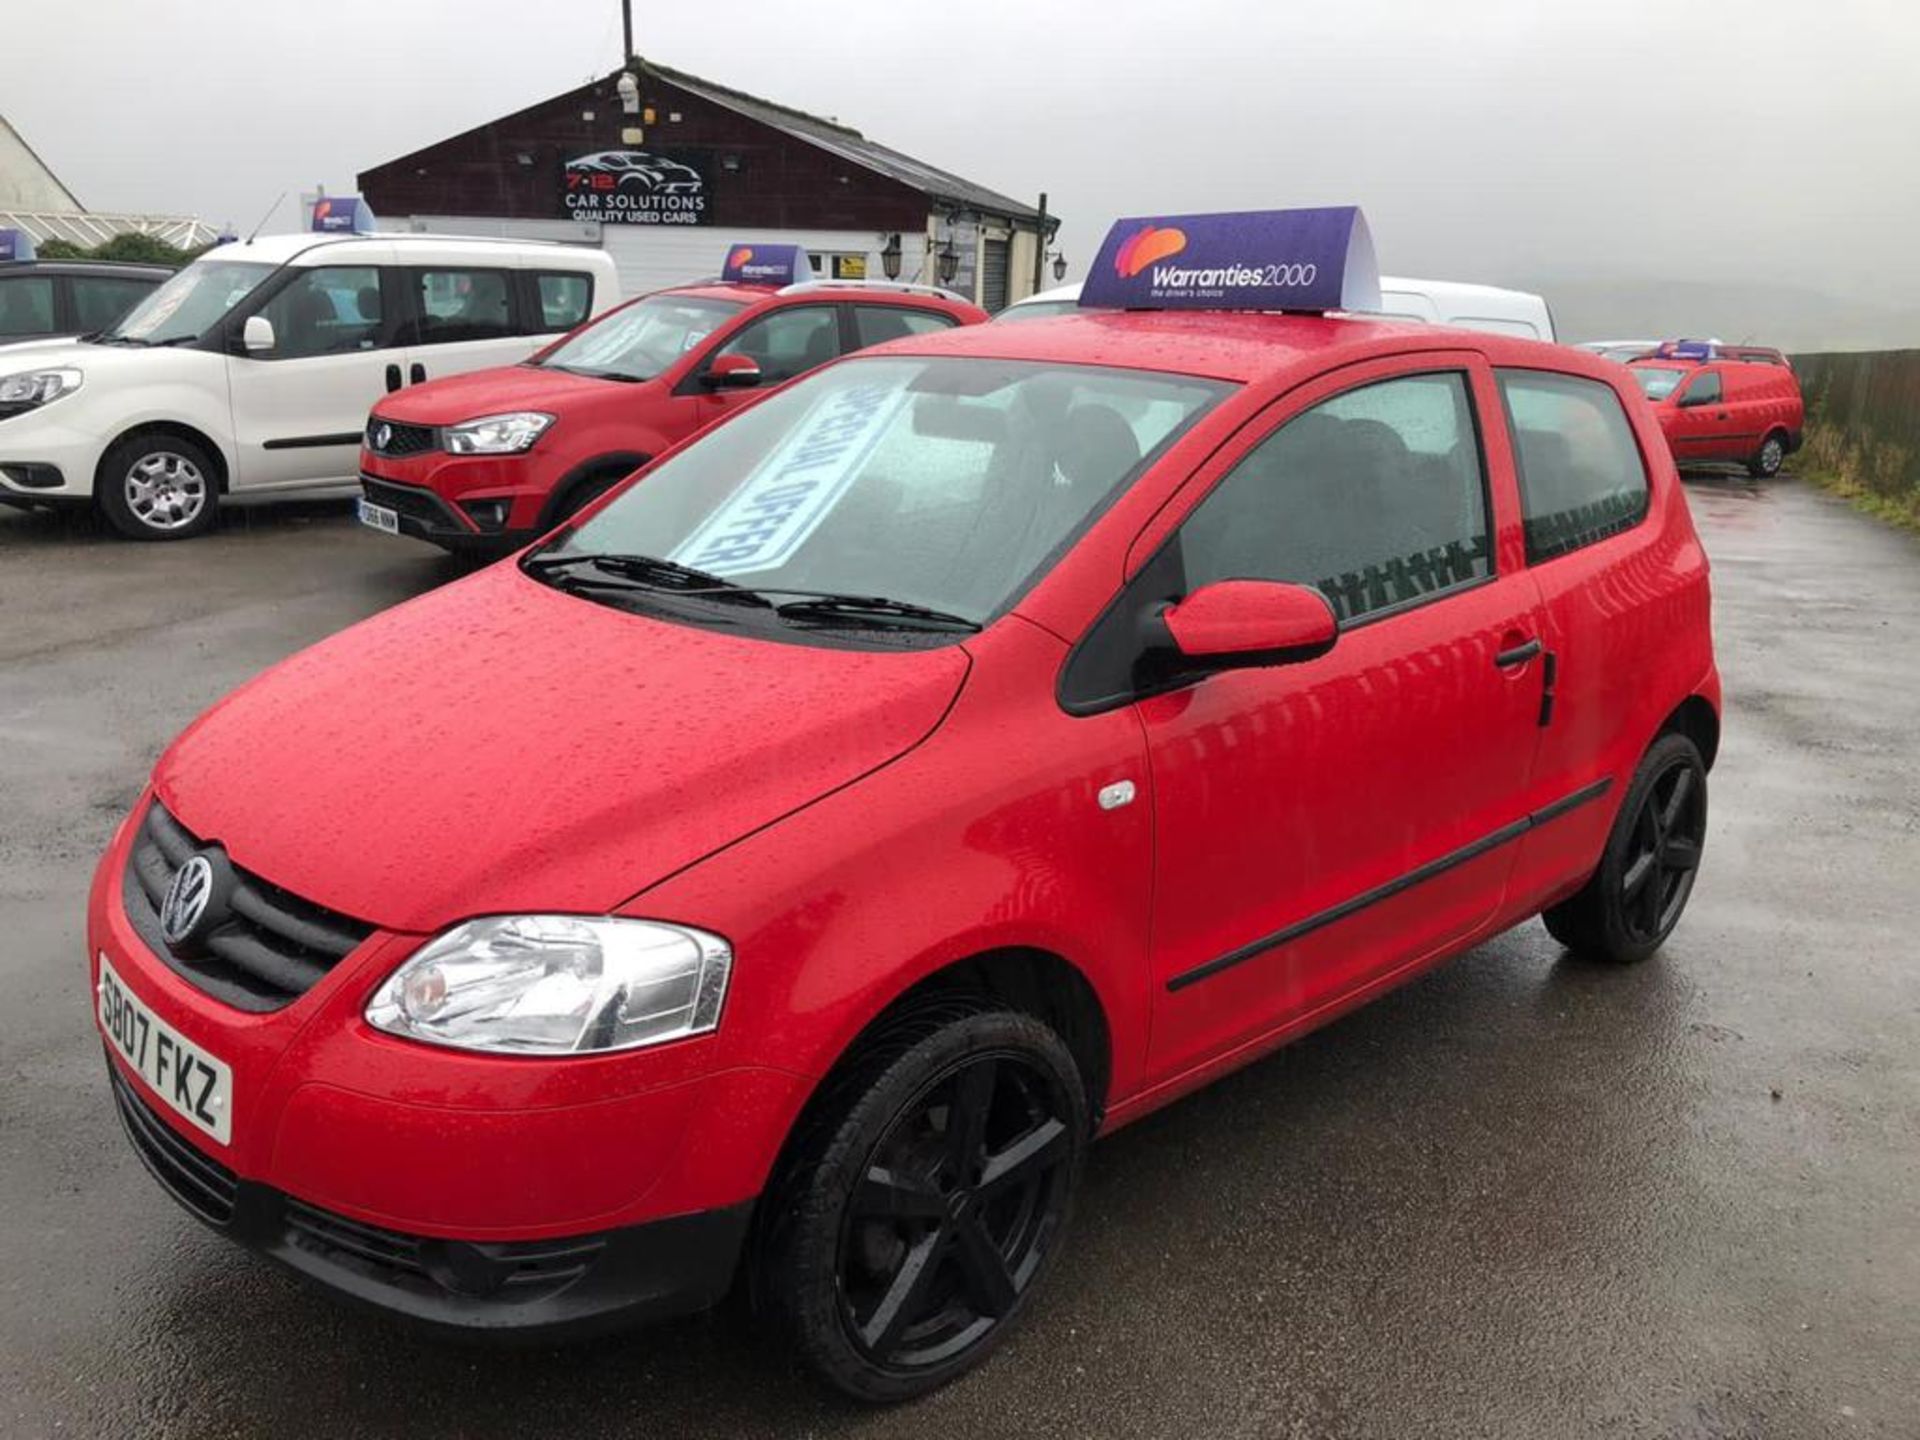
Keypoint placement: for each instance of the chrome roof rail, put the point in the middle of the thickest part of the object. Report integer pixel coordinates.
(908, 287)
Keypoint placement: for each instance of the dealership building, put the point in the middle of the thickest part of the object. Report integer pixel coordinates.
(664, 170)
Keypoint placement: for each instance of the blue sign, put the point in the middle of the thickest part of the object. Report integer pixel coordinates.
(16, 245)
(342, 215)
(1684, 350)
(767, 265)
(1253, 260)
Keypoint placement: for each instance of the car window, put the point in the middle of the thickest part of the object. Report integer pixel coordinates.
(1036, 310)
(191, 302)
(99, 300)
(26, 305)
(946, 482)
(1705, 389)
(876, 324)
(1658, 381)
(564, 300)
(462, 305)
(788, 342)
(639, 341)
(331, 310)
(1581, 474)
(1376, 497)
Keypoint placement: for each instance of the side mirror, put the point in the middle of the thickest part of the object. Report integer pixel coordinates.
(731, 372)
(1237, 624)
(257, 334)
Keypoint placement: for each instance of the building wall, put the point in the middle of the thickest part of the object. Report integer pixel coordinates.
(25, 181)
(758, 177)
(652, 257)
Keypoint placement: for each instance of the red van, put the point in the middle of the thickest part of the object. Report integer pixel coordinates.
(483, 462)
(1718, 402)
(786, 870)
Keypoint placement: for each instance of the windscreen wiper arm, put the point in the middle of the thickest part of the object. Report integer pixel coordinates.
(868, 609)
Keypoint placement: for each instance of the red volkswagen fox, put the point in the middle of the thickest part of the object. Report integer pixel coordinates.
(964, 751)
(482, 463)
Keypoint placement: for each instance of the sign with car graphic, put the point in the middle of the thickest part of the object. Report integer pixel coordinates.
(635, 187)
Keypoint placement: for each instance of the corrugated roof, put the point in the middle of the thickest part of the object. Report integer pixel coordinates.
(849, 144)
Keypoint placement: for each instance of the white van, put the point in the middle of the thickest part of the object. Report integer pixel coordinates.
(251, 371)
(1437, 302)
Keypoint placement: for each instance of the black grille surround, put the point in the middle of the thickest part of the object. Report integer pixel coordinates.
(274, 947)
(402, 440)
(570, 1284)
(423, 514)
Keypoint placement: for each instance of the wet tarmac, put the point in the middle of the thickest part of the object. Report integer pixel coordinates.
(1523, 1197)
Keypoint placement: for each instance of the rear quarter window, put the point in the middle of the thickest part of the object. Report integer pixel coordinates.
(1582, 477)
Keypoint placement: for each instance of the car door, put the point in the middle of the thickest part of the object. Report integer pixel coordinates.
(464, 317)
(299, 408)
(784, 342)
(1319, 826)
(1701, 429)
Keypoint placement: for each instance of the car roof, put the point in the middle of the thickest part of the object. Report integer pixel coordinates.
(1232, 345)
(113, 269)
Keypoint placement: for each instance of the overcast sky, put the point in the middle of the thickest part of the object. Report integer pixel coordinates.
(1758, 144)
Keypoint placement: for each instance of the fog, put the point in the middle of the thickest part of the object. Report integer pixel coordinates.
(1677, 166)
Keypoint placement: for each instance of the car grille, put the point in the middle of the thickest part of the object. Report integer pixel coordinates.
(412, 502)
(199, 1182)
(273, 949)
(402, 439)
(523, 1269)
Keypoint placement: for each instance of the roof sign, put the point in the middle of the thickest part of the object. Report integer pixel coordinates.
(1684, 350)
(763, 264)
(342, 215)
(1251, 260)
(16, 245)
(768, 517)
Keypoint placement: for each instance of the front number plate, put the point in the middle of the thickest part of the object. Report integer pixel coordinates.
(192, 1083)
(379, 517)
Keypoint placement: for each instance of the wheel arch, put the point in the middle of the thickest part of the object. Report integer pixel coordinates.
(617, 463)
(222, 476)
(1695, 718)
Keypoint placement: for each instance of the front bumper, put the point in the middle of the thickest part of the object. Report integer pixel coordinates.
(461, 501)
(543, 1288)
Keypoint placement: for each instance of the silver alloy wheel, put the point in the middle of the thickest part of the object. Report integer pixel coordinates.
(165, 491)
(1772, 452)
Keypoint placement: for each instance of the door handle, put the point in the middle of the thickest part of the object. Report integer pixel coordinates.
(419, 373)
(1517, 655)
(393, 378)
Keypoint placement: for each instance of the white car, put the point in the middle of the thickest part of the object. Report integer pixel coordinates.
(1437, 302)
(251, 371)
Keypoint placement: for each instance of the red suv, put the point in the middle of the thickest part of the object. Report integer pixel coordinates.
(1720, 402)
(483, 462)
(788, 868)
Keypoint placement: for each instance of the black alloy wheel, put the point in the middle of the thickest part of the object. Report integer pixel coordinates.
(1635, 897)
(939, 1199)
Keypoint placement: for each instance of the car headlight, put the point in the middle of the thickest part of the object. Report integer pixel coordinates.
(497, 434)
(557, 985)
(33, 388)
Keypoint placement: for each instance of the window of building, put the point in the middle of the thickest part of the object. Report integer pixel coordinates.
(1581, 474)
(1376, 497)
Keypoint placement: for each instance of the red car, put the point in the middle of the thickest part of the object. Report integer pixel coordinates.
(1717, 402)
(483, 462)
(790, 867)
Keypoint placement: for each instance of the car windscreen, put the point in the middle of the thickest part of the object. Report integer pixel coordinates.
(1037, 310)
(1658, 381)
(189, 303)
(948, 483)
(640, 340)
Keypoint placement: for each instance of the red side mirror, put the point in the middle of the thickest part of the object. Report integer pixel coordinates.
(1233, 623)
(728, 372)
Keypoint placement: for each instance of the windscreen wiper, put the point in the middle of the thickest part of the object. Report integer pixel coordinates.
(868, 610)
(646, 571)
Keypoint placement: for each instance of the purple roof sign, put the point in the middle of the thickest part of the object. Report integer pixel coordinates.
(1251, 260)
(767, 265)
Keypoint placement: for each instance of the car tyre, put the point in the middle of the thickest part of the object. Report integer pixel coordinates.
(153, 485)
(926, 1199)
(1768, 459)
(1633, 900)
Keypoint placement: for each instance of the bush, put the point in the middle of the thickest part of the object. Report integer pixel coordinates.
(141, 249)
(62, 250)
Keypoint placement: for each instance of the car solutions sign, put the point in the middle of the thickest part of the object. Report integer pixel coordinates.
(1253, 260)
(635, 187)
